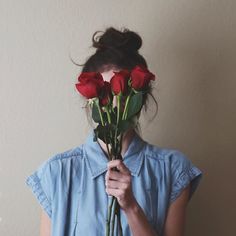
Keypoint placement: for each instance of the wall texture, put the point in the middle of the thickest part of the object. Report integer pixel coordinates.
(189, 44)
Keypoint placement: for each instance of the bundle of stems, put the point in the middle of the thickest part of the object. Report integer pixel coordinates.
(114, 152)
(113, 216)
(112, 135)
(114, 207)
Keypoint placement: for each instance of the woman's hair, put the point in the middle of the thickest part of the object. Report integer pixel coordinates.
(116, 49)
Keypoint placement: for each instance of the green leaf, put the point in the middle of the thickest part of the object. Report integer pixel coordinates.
(95, 137)
(124, 125)
(104, 132)
(135, 104)
(96, 116)
(95, 113)
(114, 115)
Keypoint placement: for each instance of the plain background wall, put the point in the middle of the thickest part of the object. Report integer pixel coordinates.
(189, 44)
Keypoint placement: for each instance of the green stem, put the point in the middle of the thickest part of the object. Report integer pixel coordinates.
(117, 120)
(109, 217)
(119, 222)
(120, 233)
(113, 217)
(109, 121)
(108, 151)
(121, 138)
(100, 112)
(102, 121)
(126, 105)
(108, 115)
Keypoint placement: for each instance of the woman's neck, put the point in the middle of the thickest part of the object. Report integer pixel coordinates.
(126, 140)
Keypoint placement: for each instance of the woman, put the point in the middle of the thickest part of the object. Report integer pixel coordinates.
(153, 185)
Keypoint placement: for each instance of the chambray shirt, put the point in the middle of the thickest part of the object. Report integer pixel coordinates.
(70, 186)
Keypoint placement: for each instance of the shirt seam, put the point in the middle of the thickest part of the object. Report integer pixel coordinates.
(59, 156)
(188, 171)
(157, 157)
(62, 156)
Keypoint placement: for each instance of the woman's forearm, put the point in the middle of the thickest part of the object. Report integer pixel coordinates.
(138, 222)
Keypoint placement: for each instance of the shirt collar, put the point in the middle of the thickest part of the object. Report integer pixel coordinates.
(97, 161)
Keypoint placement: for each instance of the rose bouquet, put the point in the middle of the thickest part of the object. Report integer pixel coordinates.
(113, 119)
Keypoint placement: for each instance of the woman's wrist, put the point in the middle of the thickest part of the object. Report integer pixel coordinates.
(137, 221)
(133, 208)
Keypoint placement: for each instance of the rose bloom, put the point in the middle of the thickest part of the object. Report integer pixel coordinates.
(140, 77)
(119, 82)
(90, 85)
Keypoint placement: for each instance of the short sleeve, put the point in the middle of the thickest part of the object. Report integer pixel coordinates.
(41, 184)
(183, 174)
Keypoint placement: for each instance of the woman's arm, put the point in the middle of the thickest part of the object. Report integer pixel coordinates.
(138, 222)
(45, 227)
(175, 221)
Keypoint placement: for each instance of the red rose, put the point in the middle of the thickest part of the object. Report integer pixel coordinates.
(140, 77)
(90, 84)
(106, 94)
(119, 82)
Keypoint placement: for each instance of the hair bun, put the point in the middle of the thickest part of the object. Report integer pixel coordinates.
(125, 40)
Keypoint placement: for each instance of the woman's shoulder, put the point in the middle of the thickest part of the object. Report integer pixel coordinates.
(51, 176)
(57, 164)
(67, 154)
(177, 166)
(59, 161)
(167, 154)
(173, 158)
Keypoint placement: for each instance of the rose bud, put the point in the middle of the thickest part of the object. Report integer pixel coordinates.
(106, 94)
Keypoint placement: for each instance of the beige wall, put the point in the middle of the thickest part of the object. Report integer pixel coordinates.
(189, 44)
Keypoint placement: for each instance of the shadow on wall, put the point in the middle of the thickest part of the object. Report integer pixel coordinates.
(199, 61)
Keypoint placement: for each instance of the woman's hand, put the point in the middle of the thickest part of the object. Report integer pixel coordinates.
(118, 184)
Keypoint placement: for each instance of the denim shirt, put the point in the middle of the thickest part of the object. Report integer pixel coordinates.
(70, 186)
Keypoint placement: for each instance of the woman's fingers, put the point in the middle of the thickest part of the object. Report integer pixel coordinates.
(115, 175)
(116, 184)
(123, 175)
(119, 165)
(118, 193)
